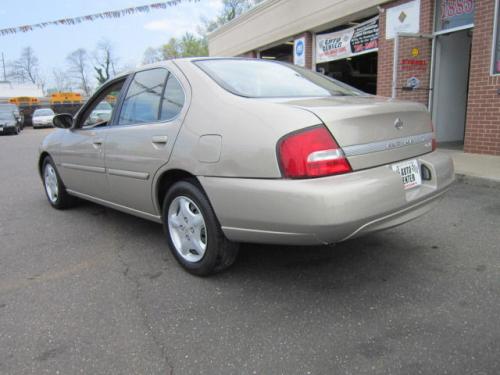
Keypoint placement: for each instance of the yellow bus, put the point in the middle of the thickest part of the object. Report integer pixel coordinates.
(65, 98)
(24, 101)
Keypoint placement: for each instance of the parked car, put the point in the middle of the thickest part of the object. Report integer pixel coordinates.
(10, 119)
(226, 150)
(42, 118)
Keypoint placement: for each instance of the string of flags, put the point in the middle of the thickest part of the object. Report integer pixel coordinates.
(92, 17)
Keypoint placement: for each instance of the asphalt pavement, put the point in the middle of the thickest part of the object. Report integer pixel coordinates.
(94, 291)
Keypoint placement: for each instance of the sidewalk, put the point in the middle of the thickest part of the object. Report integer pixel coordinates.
(484, 169)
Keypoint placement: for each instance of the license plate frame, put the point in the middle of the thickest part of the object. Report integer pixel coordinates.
(409, 170)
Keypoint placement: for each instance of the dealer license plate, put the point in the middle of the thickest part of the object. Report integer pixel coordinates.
(410, 173)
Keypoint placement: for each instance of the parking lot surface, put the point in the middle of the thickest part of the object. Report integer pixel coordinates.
(91, 290)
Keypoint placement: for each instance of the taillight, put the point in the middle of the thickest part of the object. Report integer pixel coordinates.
(311, 153)
(434, 142)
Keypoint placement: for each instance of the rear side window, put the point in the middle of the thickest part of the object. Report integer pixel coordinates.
(173, 99)
(142, 103)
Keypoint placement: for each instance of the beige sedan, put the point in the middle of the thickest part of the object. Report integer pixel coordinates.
(223, 151)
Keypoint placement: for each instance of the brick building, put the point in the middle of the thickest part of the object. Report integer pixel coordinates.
(442, 53)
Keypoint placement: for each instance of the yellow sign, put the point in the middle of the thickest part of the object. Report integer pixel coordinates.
(415, 52)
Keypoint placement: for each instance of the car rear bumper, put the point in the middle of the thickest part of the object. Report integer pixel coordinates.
(42, 124)
(324, 210)
(4, 129)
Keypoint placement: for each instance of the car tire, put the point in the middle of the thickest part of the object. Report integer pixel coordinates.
(193, 232)
(54, 188)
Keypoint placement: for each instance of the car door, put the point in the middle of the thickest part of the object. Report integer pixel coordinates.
(142, 136)
(82, 167)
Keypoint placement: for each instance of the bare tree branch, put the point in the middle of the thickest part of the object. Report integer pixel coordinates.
(26, 67)
(105, 61)
(78, 62)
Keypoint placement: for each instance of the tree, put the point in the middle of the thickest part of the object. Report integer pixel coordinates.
(171, 50)
(188, 46)
(152, 55)
(78, 62)
(61, 80)
(191, 46)
(230, 10)
(105, 61)
(26, 67)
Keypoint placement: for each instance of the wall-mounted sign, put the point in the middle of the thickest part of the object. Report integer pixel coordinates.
(415, 52)
(454, 13)
(299, 52)
(412, 83)
(353, 41)
(413, 64)
(404, 18)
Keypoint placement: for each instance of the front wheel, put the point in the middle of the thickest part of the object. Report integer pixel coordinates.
(193, 232)
(54, 188)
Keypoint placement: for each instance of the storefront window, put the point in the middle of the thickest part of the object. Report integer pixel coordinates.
(454, 13)
(496, 47)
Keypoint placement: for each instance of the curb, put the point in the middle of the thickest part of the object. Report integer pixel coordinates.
(477, 181)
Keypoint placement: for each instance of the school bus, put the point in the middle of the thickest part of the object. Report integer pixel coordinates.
(22, 101)
(65, 98)
(111, 99)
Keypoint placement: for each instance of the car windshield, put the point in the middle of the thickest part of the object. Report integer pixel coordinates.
(43, 112)
(104, 106)
(270, 79)
(6, 115)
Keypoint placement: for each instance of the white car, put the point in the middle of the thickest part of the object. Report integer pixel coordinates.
(101, 113)
(43, 117)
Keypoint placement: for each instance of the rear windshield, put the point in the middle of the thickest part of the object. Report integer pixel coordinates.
(43, 112)
(6, 115)
(271, 79)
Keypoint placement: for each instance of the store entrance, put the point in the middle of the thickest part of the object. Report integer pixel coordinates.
(451, 84)
(357, 71)
(281, 52)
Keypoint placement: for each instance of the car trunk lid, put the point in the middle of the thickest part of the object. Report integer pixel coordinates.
(373, 130)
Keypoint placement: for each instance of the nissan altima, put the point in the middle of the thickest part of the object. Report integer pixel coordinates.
(227, 150)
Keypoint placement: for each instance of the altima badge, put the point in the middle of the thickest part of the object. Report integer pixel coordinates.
(398, 124)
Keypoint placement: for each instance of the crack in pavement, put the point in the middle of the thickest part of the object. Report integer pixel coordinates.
(145, 318)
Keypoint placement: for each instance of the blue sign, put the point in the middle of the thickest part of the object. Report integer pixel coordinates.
(299, 48)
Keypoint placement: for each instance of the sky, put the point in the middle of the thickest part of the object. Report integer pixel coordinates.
(130, 35)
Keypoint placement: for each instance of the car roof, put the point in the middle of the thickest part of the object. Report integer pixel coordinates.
(164, 63)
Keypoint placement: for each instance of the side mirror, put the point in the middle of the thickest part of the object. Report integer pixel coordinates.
(63, 121)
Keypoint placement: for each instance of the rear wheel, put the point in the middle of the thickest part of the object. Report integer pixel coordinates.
(193, 232)
(54, 188)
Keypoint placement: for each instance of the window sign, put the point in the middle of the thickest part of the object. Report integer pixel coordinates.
(404, 18)
(454, 13)
(496, 47)
(353, 41)
(299, 52)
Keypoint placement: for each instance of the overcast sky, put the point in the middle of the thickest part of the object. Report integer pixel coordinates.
(131, 35)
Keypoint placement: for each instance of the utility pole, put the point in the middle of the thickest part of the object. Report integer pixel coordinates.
(3, 64)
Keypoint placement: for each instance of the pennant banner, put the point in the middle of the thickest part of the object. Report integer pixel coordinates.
(92, 17)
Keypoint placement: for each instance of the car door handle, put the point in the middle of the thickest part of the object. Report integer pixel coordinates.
(159, 139)
(97, 142)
